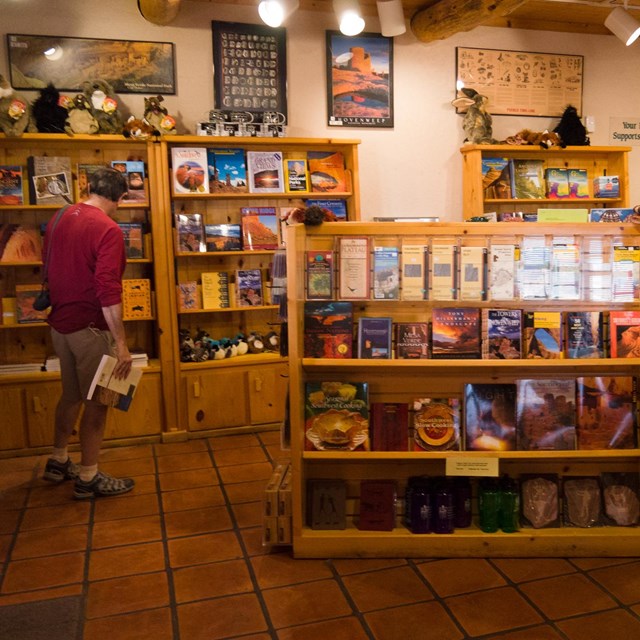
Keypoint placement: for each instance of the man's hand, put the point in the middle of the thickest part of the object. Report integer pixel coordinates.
(123, 367)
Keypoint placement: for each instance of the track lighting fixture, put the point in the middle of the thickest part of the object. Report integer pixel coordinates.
(624, 25)
(349, 16)
(274, 12)
(391, 16)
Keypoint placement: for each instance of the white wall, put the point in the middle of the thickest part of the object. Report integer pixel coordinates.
(411, 170)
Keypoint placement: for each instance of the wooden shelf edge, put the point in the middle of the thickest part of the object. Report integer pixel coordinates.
(305, 195)
(249, 359)
(228, 309)
(209, 254)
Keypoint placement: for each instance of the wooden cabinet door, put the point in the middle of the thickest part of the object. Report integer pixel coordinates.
(216, 399)
(41, 401)
(267, 387)
(12, 418)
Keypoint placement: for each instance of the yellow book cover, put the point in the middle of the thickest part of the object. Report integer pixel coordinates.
(296, 175)
(215, 290)
(136, 299)
(413, 272)
(9, 311)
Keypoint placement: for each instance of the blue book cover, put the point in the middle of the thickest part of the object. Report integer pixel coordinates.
(609, 215)
(374, 338)
(386, 273)
(502, 333)
(227, 171)
(223, 237)
(337, 207)
(134, 171)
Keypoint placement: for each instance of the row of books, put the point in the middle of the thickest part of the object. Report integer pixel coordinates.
(331, 331)
(22, 242)
(200, 170)
(584, 413)
(537, 268)
(441, 505)
(578, 215)
(217, 289)
(136, 303)
(48, 180)
(527, 179)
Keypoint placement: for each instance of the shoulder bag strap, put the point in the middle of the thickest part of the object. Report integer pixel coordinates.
(53, 228)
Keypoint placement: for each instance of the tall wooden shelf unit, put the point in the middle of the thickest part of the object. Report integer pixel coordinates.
(598, 161)
(31, 398)
(248, 390)
(405, 380)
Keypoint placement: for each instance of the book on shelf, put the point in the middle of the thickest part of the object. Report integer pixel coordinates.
(84, 171)
(496, 178)
(587, 334)
(533, 273)
(565, 273)
(327, 504)
(327, 172)
(189, 233)
(611, 214)
(557, 182)
(502, 282)
(20, 243)
(606, 412)
(189, 170)
(578, 183)
(11, 185)
(625, 273)
(136, 299)
(546, 412)
(215, 290)
(353, 268)
(133, 170)
(9, 308)
(319, 274)
(436, 424)
(296, 176)
(455, 333)
(414, 274)
(337, 416)
(389, 426)
(223, 237)
(624, 333)
(490, 416)
(473, 273)
(249, 292)
(606, 187)
(444, 271)
(386, 273)
(108, 390)
(328, 329)
(188, 296)
(596, 269)
(133, 233)
(501, 334)
(542, 335)
(26, 295)
(377, 511)
(265, 172)
(337, 207)
(259, 228)
(412, 340)
(527, 179)
(50, 180)
(563, 215)
(227, 171)
(374, 338)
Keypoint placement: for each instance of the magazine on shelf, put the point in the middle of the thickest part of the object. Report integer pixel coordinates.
(414, 274)
(386, 273)
(189, 170)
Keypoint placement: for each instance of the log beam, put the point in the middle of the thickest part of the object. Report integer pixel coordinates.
(448, 17)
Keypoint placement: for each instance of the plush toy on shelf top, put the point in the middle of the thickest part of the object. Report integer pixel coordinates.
(158, 116)
(571, 130)
(545, 139)
(80, 119)
(48, 111)
(15, 111)
(104, 105)
(477, 122)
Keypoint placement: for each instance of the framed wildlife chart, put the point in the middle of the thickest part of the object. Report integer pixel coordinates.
(127, 65)
(359, 80)
(249, 67)
(521, 83)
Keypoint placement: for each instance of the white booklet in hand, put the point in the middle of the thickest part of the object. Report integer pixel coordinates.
(108, 390)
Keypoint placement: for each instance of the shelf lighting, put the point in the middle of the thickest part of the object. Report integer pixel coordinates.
(274, 12)
(623, 25)
(391, 17)
(349, 16)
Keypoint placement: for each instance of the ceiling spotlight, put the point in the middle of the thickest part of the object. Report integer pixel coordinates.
(623, 25)
(349, 16)
(391, 16)
(275, 12)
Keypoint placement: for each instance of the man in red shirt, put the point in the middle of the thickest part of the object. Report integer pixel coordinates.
(86, 261)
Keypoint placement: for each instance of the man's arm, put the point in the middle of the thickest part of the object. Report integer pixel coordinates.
(113, 316)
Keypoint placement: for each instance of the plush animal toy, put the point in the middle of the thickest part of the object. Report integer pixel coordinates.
(571, 130)
(477, 122)
(158, 116)
(15, 111)
(545, 139)
(80, 117)
(104, 105)
(49, 111)
(138, 129)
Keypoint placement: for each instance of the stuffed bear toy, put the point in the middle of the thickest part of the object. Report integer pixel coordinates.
(544, 139)
(15, 112)
(158, 116)
(80, 117)
(138, 129)
(104, 105)
(48, 111)
(571, 130)
(477, 122)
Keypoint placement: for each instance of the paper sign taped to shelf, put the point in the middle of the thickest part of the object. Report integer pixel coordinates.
(476, 467)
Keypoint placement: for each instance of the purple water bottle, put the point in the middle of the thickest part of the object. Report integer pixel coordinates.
(443, 508)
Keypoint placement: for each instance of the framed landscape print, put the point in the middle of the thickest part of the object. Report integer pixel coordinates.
(128, 66)
(249, 68)
(359, 80)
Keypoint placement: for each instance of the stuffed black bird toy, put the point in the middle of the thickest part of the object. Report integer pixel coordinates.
(50, 117)
(571, 130)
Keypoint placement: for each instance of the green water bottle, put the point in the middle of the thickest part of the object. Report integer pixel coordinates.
(489, 505)
(509, 505)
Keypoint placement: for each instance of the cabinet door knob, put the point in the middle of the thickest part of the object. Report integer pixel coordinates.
(196, 389)
(258, 384)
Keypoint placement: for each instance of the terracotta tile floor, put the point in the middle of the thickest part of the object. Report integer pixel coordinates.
(181, 558)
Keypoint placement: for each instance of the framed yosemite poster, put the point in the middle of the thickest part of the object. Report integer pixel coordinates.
(359, 80)
(249, 68)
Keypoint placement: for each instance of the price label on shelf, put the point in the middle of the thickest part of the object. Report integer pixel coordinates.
(476, 467)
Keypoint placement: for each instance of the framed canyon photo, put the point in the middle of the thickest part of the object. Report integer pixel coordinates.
(359, 80)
